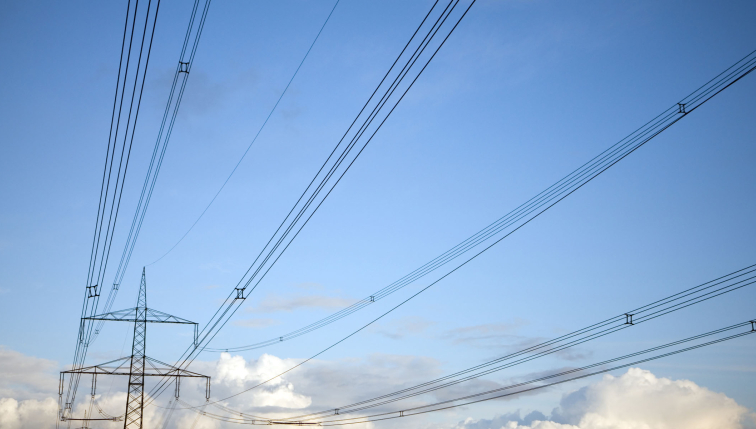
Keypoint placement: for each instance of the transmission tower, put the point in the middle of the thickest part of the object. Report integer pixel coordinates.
(137, 366)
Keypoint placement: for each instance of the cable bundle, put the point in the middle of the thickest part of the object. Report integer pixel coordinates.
(526, 212)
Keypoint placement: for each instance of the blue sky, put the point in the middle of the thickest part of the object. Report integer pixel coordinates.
(523, 92)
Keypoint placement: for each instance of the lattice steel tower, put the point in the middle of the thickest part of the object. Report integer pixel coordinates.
(135, 399)
(139, 365)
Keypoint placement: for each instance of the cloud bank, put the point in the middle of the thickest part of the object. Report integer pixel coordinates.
(636, 400)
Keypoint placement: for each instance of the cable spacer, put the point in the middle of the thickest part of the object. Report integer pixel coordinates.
(92, 291)
(681, 107)
(183, 67)
(629, 319)
(372, 298)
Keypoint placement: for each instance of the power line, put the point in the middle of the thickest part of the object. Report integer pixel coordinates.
(686, 298)
(442, 405)
(181, 74)
(317, 36)
(711, 289)
(234, 299)
(91, 297)
(638, 138)
(653, 128)
(521, 215)
(561, 377)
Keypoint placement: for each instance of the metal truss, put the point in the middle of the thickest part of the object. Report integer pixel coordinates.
(137, 366)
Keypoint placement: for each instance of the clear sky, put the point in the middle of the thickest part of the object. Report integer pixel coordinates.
(522, 93)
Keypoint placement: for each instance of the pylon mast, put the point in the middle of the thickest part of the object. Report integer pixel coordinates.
(139, 364)
(135, 400)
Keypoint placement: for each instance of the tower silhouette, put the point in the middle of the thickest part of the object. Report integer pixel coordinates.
(139, 364)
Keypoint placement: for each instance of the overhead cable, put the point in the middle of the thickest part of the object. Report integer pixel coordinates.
(254, 139)
(711, 289)
(180, 78)
(334, 167)
(103, 241)
(683, 299)
(524, 213)
(745, 329)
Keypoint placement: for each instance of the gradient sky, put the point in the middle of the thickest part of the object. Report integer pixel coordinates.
(523, 93)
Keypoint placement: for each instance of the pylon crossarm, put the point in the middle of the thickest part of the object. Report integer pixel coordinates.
(103, 368)
(162, 369)
(172, 370)
(127, 315)
(130, 315)
(156, 316)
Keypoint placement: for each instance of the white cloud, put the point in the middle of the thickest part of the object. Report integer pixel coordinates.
(234, 373)
(636, 400)
(26, 377)
(30, 413)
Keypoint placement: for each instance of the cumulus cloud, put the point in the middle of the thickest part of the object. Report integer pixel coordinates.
(26, 377)
(29, 413)
(232, 374)
(316, 386)
(636, 400)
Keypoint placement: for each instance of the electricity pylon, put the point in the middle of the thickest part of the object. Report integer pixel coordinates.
(139, 364)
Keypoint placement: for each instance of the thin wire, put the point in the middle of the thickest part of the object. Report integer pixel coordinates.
(81, 348)
(408, 411)
(533, 348)
(151, 178)
(652, 134)
(211, 331)
(253, 139)
(582, 174)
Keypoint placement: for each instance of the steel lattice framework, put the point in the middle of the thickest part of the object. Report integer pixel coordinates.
(138, 365)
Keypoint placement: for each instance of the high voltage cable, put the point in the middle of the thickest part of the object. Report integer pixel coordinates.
(181, 74)
(317, 36)
(678, 301)
(85, 326)
(527, 211)
(686, 298)
(230, 305)
(184, 68)
(93, 282)
(442, 405)
(637, 139)
(566, 376)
